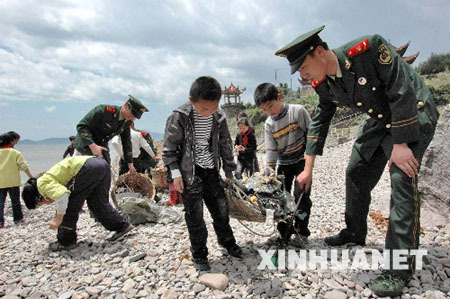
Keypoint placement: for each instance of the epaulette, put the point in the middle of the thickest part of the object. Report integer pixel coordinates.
(314, 84)
(110, 109)
(358, 49)
(144, 134)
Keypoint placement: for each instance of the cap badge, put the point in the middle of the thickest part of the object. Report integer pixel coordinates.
(362, 81)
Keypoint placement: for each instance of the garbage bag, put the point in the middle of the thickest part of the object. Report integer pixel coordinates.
(140, 210)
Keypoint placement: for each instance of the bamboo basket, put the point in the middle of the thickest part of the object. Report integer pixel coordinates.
(240, 205)
(134, 182)
(159, 178)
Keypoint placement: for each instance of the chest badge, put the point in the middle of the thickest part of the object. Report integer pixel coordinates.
(348, 64)
(362, 81)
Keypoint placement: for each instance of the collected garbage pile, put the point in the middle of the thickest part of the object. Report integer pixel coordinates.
(133, 195)
(257, 197)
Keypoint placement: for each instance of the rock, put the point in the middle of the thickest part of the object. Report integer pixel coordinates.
(214, 281)
(445, 286)
(359, 288)
(125, 253)
(435, 163)
(349, 283)
(92, 291)
(66, 295)
(35, 295)
(332, 284)
(197, 288)
(335, 294)
(367, 293)
(137, 257)
(274, 292)
(128, 285)
(426, 278)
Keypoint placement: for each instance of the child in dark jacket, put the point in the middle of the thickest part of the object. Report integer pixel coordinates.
(196, 140)
(245, 145)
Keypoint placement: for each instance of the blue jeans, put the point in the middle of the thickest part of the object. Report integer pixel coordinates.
(14, 194)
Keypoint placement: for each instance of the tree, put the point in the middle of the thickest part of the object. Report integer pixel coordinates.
(435, 64)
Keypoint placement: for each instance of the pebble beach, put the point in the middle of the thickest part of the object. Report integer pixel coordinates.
(153, 260)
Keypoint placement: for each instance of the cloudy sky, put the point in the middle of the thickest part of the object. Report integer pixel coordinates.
(60, 58)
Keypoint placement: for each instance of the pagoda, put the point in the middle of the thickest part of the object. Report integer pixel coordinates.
(232, 92)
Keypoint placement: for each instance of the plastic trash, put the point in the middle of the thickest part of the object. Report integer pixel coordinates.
(269, 216)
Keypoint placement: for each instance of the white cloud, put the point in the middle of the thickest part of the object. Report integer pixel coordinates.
(50, 108)
(103, 50)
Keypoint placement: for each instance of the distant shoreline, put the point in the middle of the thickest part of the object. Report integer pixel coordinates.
(65, 140)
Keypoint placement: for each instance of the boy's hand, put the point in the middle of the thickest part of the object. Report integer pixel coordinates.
(304, 180)
(239, 148)
(178, 183)
(55, 223)
(404, 158)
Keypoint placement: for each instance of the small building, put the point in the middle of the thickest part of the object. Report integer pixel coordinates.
(232, 92)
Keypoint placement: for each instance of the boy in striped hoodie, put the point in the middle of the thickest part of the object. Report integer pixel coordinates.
(285, 139)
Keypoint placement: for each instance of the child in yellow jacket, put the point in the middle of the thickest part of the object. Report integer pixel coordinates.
(11, 163)
(69, 183)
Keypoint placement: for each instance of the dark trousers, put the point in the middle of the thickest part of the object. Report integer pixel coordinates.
(404, 217)
(14, 194)
(91, 184)
(290, 173)
(136, 163)
(244, 164)
(206, 187)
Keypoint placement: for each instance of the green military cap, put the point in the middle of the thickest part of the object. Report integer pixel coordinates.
(297, 49)
(136, 106)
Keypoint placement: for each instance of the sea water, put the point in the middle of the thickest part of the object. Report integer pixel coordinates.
(42, 157)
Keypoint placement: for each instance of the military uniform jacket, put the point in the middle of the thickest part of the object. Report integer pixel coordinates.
(379, 83)
(99, 126)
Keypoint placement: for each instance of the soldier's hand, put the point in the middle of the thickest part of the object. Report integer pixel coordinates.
(131, 168)
(403, 157)
(97, 150)
(178, 183)
(304, 180)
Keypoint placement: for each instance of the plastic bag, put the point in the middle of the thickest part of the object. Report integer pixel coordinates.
(140, 210)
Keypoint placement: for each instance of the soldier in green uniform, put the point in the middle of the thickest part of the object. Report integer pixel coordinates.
(369, 75)
(104, 122)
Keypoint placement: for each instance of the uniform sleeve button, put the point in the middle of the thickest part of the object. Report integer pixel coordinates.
(380, 115)
(370, 110)
(374, 88)
(359, 104)
(388, 126)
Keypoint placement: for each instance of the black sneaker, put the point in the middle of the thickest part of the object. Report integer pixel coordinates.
(343, 238)
(121, 232)
(56, 246)
(201, 264)
(235, 251)
(387, 284)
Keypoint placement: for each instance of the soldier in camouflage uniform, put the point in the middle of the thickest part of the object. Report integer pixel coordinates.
(368, 74)
(104, 122)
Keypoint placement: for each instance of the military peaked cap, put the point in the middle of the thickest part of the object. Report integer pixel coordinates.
(136, 106)
(297, 49)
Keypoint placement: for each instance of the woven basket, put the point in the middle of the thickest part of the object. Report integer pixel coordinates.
(134, 182)
(159, 178)
(240, 206)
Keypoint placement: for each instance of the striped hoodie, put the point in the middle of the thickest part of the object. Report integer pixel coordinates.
(285, 135)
